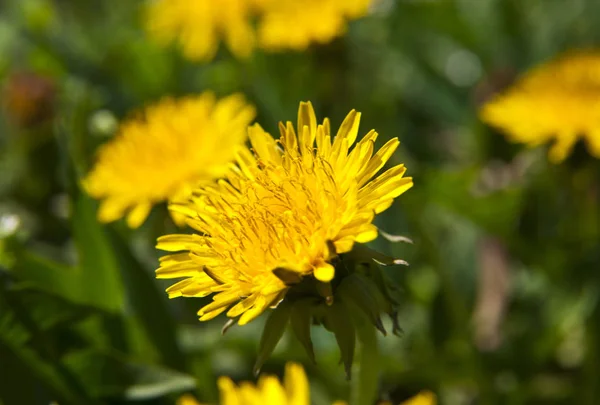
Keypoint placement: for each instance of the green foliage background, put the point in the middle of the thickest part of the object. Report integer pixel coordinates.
(497, 230)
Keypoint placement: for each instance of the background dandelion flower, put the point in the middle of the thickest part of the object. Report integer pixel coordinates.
(200, 25)
(167, 150)
(270, 391)
(290, 24)
(559, 100)
(285, 212)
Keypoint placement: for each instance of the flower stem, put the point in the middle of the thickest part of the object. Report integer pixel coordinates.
(366, 368)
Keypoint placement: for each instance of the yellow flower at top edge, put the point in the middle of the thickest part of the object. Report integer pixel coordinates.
(296, 24)
(269, 391)
(166, 151)
(287, 205)
(200, 25)
(558, 101)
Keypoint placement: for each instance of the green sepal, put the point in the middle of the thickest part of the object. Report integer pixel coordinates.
(340, 323)
(289, 277)
(362, 254)
(301, 320)
(395, 238)
(325, 290)
(359, 293)
(387, 287)
(396, 329)
(272, 333)
(228, 325)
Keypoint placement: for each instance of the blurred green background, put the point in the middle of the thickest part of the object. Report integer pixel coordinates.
(501, 301)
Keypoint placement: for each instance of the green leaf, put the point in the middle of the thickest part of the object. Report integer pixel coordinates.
(272, 333)
(106, 374)
(21, 338)
(338, 320)
(40, 272)
(95, 281)
(49, 311)
(148, 305)
(100, 278)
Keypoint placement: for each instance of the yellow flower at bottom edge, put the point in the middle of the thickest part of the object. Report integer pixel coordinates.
(559, 100)
(270, 391)
(422, 398)
(165, 152)
(199, 25)
(292, 24)
(288, 206)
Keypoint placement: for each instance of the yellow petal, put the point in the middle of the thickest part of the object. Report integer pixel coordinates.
(324, 272)
(138, 214)
(307, 117)
(349, 128)
(422, 398)
(296, 385)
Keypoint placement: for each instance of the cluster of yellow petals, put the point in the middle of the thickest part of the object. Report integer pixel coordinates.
(559, 100)
(200, 25)
(287, 205)
(292, 24)
(165, 152)
(269, 391)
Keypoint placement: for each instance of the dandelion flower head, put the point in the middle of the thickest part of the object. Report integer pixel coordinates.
(200, 25)
(558, 101)
(291, 24)
(287, 205)
(166, 151)
(270, 391)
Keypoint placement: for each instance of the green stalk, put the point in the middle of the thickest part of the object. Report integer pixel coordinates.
(364, 388)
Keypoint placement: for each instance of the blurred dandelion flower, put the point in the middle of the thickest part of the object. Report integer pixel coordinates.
(292, 24)
(559, 100)
(200, 25)
(165, 152)
(422, 398)
(283, 214)
(270, 391)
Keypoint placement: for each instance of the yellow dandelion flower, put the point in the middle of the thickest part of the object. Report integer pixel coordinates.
(187, 399)
(268, 391)
(200, 25)
(284, 212)
(165, 152)
(559, 100)
(422, 398)
(296, 24)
